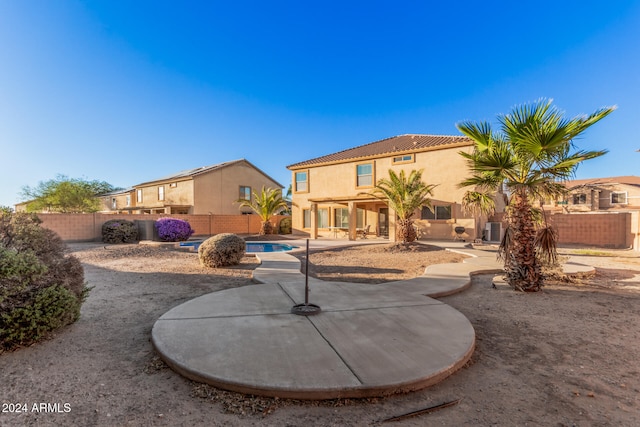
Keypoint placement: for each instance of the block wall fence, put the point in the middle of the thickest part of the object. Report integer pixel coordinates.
(88, 227)
(616, 230)
(609, 230)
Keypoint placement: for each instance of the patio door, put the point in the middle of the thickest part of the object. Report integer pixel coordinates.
(383, 222)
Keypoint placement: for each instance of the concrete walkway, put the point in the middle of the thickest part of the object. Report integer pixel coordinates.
(368, 340)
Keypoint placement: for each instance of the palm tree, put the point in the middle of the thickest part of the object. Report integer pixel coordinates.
(404, 195)
(530, 156)
(266, 204)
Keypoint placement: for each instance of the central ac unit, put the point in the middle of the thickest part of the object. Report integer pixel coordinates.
(493, 231)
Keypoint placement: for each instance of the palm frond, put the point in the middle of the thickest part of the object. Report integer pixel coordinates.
(506, 245)
(404, 193)
(546, 244)
(474, 202)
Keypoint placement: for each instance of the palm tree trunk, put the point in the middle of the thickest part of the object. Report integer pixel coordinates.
(406, 233)
(266, 228)
(522, 266)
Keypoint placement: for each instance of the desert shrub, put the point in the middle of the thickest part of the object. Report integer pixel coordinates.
(52, 308)
(41, 287)
(173, 230)
(285, 225)
(222, 250)
(119, 231)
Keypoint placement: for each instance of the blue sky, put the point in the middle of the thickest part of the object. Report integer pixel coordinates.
(129, 91)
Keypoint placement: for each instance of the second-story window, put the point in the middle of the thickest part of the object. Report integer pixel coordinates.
(114, 204)
(364, 175)
(139, 196)
(128, 200)
(245, 192)
(406, 158)
(161, 192)
(302, 181)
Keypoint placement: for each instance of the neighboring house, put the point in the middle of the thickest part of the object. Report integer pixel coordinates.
(211, 189)
(117, 201)
(602, 194)
(330, 192)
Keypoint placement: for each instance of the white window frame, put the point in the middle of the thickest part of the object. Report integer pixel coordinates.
(139, 195)
(298, 183)
(367, 177)
(617, 193)
(404, 158)
(161, 192)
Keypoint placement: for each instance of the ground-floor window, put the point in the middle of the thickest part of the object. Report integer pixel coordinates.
(579, 199)
(436, 212)
(306, 218)
(619, 197)
(341, 218)
(323, 218)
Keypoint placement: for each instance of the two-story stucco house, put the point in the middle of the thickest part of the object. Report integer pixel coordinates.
(213, 189)
(603, 194)
(330, 192)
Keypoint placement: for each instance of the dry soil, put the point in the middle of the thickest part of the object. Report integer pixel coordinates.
(566, 356)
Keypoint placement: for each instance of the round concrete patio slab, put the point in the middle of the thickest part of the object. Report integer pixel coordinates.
(369, 340)
(247, 340)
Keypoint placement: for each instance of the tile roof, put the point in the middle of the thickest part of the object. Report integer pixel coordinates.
(396, 144)
(629, 180)
(187, 173)
(192, 172)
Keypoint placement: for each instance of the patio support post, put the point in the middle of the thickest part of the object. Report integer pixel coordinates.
(314, 220)
(353, 220)
(392, 225)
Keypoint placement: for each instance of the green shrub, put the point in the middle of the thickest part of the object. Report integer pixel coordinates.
(119, 231)
(222, 250)
(41, 287)
(52, 308)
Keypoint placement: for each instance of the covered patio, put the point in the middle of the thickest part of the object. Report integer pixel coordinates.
(353, 216)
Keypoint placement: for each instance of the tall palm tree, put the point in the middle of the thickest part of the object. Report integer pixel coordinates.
(531, 155)
(266, 204)
(404, 195)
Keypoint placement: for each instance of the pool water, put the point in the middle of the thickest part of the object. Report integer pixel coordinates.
(268, 247)
(252, 247)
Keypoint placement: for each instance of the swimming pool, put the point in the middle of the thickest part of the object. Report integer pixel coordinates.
(252, 247)
(268, 247)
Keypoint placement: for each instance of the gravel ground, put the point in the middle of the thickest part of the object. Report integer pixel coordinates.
(565, 356)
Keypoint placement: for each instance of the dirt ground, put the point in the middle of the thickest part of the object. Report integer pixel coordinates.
(566, 356)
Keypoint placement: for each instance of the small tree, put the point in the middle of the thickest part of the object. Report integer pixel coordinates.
(65, 195)
(404, 195)
(266, 204)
